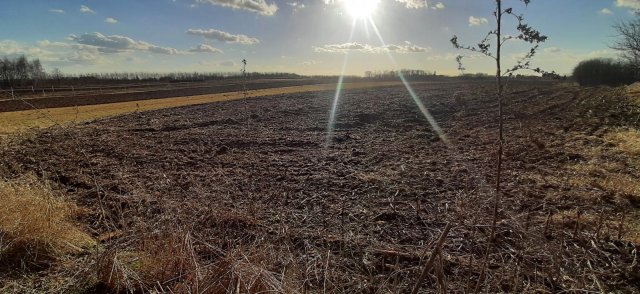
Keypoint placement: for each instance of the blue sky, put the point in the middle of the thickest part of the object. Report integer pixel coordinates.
(302, 36)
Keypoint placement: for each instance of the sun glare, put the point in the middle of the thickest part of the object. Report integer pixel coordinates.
(361, 8)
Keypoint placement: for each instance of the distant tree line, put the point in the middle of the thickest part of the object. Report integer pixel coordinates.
(116, 78)
(622, 71)
(410, 74)
(605, 72)
(21, 72)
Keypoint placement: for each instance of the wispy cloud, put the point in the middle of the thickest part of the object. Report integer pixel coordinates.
(116, 43)
(414, 3)
(214, 34)
(111, 20)
(52, 53)
(552, 50)
(296, 5)
(310, 63)
(86, 9)
(631, 4)
(605, 11)
(204, 48)
(56, 11)
(227, 63)
(257, 6)
(475, 21)
(438, 6)
(224, 63)
(365, 48)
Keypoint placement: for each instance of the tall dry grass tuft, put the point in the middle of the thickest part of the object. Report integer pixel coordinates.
(36, 225)
(170, 263)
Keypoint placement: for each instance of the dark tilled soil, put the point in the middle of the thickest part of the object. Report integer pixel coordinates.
(356, 212)
(100, 98)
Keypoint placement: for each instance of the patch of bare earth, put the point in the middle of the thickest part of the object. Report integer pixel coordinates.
(247, 196)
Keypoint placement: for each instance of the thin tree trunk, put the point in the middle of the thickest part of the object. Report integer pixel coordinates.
(500, 124)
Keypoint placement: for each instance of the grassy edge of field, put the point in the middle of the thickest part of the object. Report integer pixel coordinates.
(12, 122)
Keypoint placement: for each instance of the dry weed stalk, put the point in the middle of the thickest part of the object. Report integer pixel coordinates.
(435, 252)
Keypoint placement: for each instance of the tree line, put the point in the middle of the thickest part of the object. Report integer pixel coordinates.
(21, 72)
(116, 78)
(411, 74)
(614, 72)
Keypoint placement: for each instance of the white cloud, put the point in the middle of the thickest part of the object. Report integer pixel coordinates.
(448, 56)
(475, 21)
(343, 48)
(214, 34)
(414, 3)
(111, 20)
(60, 11)
(552, 50)
(204, 48)
(604, 53)
(631, 4)
(115, 44)
(12, 48)
(310, 63)
(52, 53)
(227, 63)
(296, 5)
(86, 9)
(605, 11)
(365, 48)
(438, 6)
(257, 6)
(224, 63)
(407, 47)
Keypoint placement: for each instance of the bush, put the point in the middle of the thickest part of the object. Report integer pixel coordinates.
(600, 71)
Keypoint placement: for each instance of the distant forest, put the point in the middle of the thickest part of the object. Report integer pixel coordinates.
(21, 72)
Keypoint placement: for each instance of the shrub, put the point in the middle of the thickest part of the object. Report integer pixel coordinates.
(601, 71)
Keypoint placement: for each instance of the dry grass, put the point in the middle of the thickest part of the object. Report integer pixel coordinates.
(612, 177)
(11, 122)
(35, 224)
(170, 264)
(628, 141)
(633, 91)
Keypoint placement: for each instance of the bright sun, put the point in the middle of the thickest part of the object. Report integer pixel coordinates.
(361, 8)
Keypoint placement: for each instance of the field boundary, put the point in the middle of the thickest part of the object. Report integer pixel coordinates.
(15, 121)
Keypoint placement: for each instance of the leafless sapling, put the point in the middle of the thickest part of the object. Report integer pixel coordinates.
(496, 38)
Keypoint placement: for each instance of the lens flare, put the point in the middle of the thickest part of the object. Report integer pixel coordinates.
(336, 97)
(416, 99)
(361, 9)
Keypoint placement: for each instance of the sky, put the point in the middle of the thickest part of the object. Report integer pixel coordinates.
(310, 37)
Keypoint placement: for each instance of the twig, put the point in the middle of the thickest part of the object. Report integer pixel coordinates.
(326, 269)
(621, 226)
(598, 282)
(432, 258)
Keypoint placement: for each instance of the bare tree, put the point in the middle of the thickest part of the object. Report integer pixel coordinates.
(628, 42)
(22, 69)
(36, 72)
(496, 38)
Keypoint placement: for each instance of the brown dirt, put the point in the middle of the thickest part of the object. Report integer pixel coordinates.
(359, 215)
(145, 94)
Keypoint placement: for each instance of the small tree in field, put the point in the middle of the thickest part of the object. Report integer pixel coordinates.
(496, 38)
